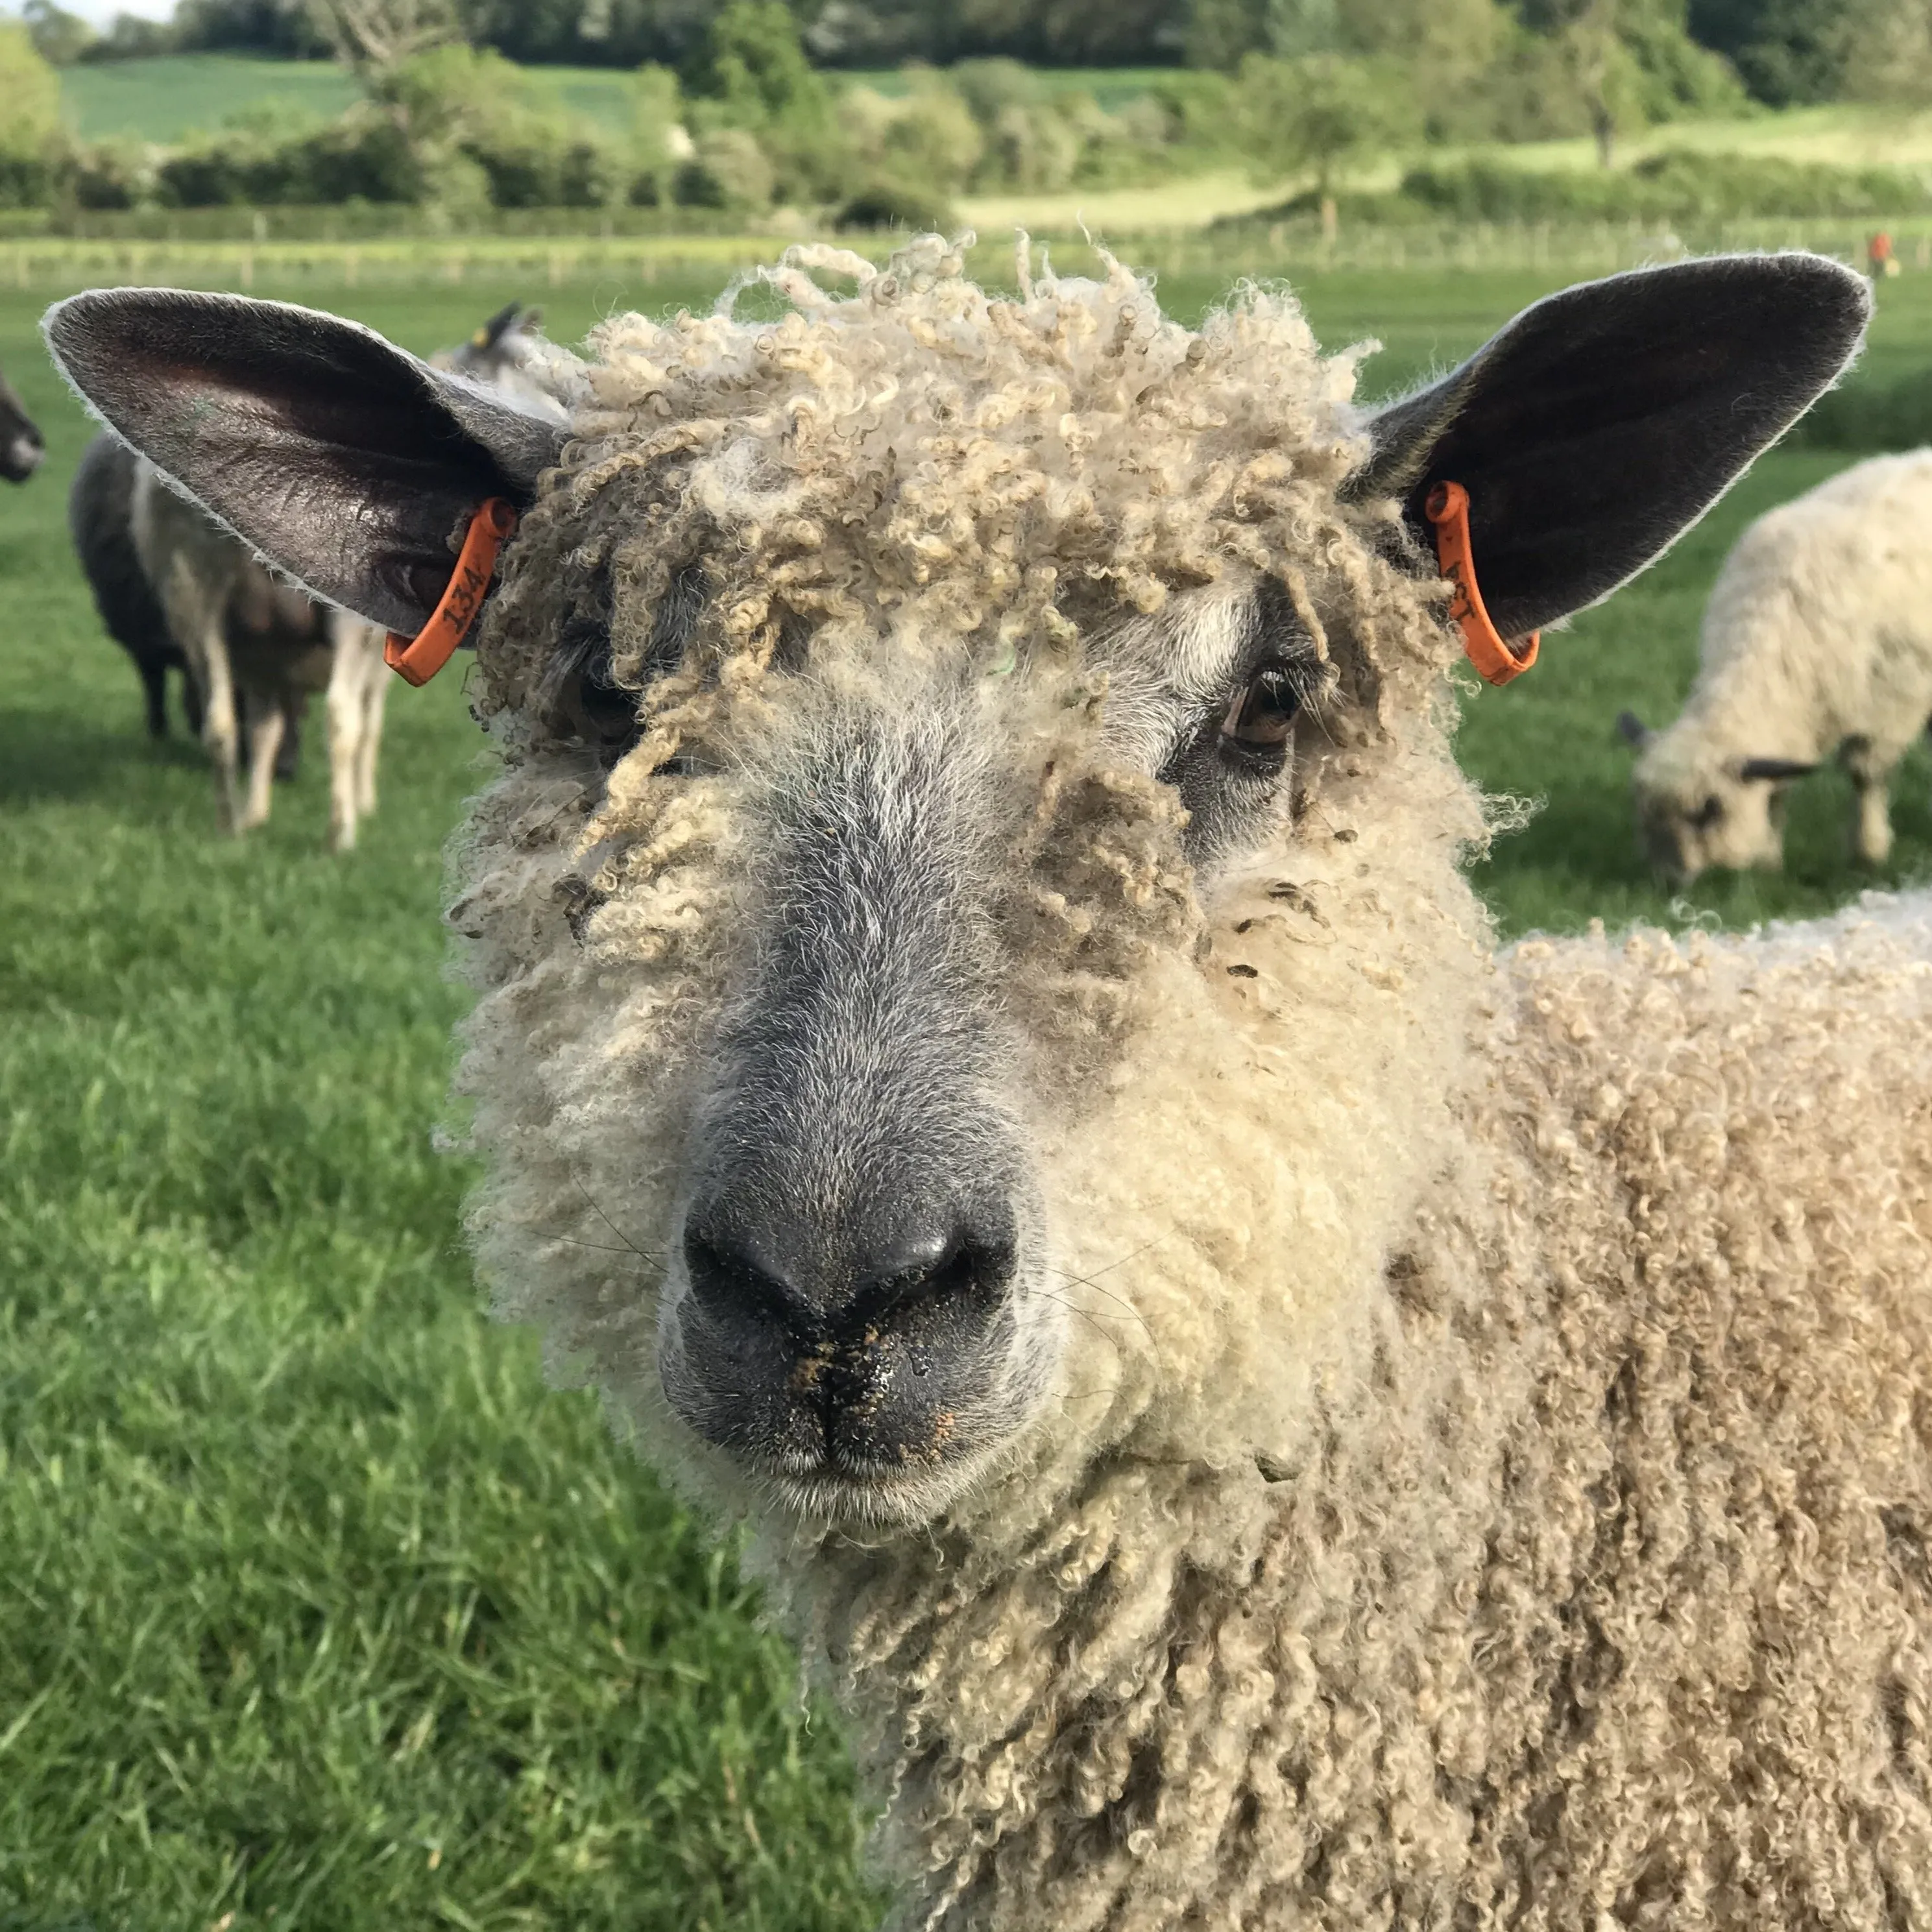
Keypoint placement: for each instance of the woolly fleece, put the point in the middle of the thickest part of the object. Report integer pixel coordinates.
(1486, 1480)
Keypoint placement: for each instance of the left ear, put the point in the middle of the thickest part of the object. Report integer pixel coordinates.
(1603, 422)
(346, 463)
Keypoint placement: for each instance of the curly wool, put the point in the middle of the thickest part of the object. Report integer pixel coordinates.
(1487, 1482)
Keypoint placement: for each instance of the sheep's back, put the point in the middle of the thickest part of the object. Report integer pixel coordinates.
(1722, 1490)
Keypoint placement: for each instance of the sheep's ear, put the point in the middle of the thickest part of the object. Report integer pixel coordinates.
(346, 462)
(1603, 421)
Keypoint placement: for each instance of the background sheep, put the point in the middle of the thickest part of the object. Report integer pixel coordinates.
(21, 449)
(256, 651)
(100, 518)
(177, 593)
(1817, 638)
(1267, 1413)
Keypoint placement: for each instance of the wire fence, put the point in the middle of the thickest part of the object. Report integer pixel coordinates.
(52, 264)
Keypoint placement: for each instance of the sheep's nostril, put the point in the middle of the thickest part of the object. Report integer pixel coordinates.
(729, 1282)
(925, 1278)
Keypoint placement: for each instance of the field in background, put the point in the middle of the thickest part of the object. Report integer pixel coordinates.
(176, 95)
(165, 99)
(318, 1610)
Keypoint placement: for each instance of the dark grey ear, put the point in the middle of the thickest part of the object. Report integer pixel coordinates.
(1605, 420)
(347, 462)
(1633, 729)
(1776, 769)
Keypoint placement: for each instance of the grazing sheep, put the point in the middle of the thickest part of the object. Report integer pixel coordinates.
(1266, 1411)
(1817, 639)
(21, 448)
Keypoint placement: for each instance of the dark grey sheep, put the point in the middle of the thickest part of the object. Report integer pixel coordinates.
(21, 446)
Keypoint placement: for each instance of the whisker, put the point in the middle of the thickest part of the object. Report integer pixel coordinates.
(642, 1254)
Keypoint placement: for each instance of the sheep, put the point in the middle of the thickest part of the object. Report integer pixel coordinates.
(256, 651)
(232, 631)
(99, 507)
(1265, 1409)
(1817, 639)
(510, 353)
(21, 447)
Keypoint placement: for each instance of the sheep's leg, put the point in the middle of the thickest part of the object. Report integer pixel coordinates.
(266, 729)
(356, 696)
(220, 728)
(154, 689)
(288, 760)
(1869, 767)
(345, 732)
(375, 693)
(194, 610)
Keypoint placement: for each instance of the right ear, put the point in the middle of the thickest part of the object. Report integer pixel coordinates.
(348, 463)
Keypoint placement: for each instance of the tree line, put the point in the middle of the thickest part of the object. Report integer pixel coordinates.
(1781, 52)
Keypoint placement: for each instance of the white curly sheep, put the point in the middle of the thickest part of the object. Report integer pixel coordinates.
(1817, 639)
(1266, 1411)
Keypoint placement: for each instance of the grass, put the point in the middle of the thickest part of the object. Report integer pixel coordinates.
(317, 1610)
(163, 98)
(173, 95)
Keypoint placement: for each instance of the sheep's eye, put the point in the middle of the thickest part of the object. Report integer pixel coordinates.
(1709, 812)
(1262, 716)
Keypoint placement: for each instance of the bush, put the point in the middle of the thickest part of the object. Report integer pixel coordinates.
(889, 205)
(1673, 186)
(110, 175)
(729, 171)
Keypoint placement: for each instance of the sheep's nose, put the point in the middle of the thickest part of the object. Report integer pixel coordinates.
(853, 1343)
(836, 1293)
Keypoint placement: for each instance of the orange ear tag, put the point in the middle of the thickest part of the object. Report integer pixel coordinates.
(1447, 506)
(418, 659)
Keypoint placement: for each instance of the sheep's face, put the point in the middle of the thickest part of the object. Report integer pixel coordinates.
(967, 891)
(1693, 820)
(873, 970)
(975, 980)
(966, 733)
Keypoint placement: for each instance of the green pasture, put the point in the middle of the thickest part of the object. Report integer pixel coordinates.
(174, 95)
(171, 95)
(317, 1610)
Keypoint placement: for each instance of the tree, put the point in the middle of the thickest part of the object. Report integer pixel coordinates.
(1318, 113)
(1886, 51)
(60, 38)
(374, 33)
(30, 127)
(1603, 73)
(750, 74)
(31, 91)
